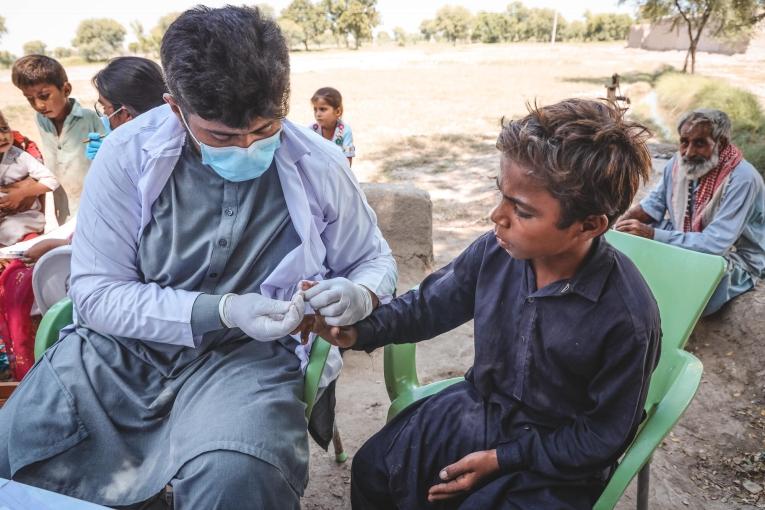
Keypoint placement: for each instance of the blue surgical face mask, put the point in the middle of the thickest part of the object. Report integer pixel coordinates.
(106, 120)
(239, 164)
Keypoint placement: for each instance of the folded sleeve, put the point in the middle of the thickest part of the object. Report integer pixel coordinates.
(38, 171)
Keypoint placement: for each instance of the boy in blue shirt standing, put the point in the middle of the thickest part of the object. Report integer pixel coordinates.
(63, 125)
(567, 333)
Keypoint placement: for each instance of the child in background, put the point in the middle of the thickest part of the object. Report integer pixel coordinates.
(328, 110)
(15, 166)
(63, 124)
(566, 333)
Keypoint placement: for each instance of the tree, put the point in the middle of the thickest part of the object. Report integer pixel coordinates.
(309, 17)
(399, 35)
(61, 52)
(490, 27)
(98, 39)
(383, 37)
(428, 29)
(150, 43)
(3, 28)
(7, 59)
(724, 17)
(453, 22)
(34, 48)
(607, 26)
(332, 11)
(292, 32)
(358, 19)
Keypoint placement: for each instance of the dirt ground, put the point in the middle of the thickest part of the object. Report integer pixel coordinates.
(428, 116)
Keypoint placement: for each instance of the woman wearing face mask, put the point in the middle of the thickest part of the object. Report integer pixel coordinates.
(127, 87)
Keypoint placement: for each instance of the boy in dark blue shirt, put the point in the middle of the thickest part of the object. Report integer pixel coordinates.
(567, 333)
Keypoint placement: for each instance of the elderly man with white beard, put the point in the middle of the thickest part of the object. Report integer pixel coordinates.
(711, 200)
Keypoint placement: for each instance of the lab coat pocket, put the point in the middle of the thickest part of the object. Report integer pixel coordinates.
(41, 418)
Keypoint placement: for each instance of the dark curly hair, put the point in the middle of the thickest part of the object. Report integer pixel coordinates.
(583, 152)
(229, 65)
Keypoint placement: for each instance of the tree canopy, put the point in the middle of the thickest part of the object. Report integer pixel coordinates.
(99, 39)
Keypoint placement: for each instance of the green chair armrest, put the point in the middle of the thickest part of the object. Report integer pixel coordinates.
(657, 426)
(407, 398)
(400, 365)
(316, 362)
(58, 317)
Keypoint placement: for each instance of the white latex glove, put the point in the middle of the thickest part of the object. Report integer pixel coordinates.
(260, 317)
(340, 301)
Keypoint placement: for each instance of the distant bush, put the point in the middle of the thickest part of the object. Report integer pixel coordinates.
(678, 93)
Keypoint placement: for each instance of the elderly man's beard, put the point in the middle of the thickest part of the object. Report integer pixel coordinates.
(698, 167)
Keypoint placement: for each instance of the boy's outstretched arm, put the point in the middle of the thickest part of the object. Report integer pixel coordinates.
(443, 301)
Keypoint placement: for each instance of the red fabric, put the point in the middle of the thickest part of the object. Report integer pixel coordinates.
(30, 235)
(730, 157)
(16, 326)
(25, 144)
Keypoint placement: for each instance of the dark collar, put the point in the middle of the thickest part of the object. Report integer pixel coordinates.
(588, 282)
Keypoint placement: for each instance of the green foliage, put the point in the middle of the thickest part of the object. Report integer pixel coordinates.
(679, 93)
(383, 37)
(490, 27)
(149, 44)
(99, 39)
(34, 48)
(309, 17)
(428, 29)
(607, 26)
(358, 19)
(724, 17)
(6, 59)
(453, 23)
(61, 52)
(292, 32)
(400, 36)
(3, 28)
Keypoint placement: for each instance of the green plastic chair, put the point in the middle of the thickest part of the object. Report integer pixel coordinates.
(682, 282)
(60, 315)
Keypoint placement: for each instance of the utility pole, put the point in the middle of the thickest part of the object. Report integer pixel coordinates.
(555, 28)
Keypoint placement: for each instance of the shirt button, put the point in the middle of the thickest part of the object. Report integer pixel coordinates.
(565, 289)
(222, 243)
(229, 211)
(213, 275)
(530, 300)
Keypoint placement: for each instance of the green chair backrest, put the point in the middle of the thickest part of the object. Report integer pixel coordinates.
(682, 281)
(60, 315)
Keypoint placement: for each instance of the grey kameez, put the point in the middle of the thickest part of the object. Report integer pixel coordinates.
(155, 406)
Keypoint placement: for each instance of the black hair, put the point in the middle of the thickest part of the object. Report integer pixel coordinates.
(133, 82)
(229, 65)
(330, 95)
(37, 69)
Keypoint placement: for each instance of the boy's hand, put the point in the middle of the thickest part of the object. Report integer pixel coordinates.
(341, 336)
(464, 475)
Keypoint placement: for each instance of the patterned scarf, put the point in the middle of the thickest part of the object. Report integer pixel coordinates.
(708, 186)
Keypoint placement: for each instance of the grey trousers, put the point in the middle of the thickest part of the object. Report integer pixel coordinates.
(226, 480)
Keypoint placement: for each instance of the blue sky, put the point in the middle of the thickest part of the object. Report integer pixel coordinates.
(55, 21)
